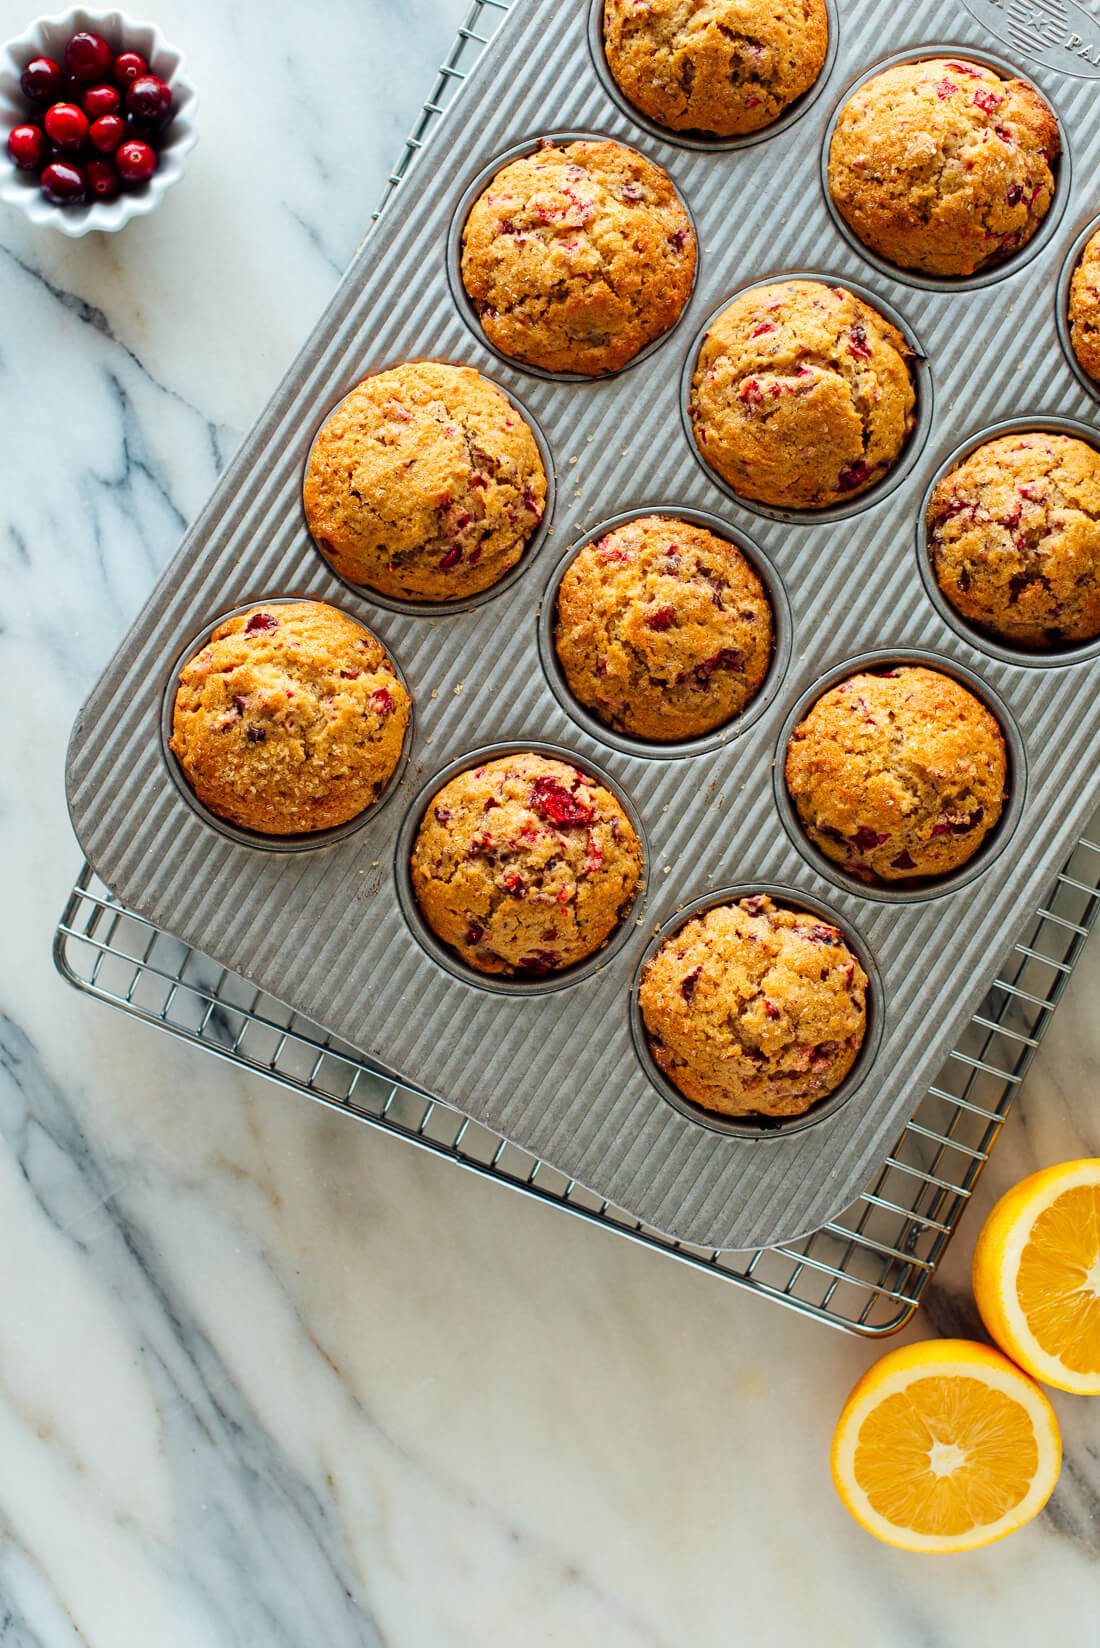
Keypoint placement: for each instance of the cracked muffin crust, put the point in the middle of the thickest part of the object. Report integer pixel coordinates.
(754, 1009)
(898, 773)
(942, 166)
(525, 865)
(576, 258)
(1084, 308)
(802, 395)
(663, 629)
(289, 719)
(425, 483)
(725, 68)
(1014, 539)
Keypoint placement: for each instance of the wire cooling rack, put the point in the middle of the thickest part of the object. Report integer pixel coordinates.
(864, 1272)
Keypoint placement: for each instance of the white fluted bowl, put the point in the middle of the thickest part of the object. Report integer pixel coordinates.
(47, 38)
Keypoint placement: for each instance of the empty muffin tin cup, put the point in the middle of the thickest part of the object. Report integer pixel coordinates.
(649, 749)
(1053, 657)
(759, 1128)
(440, 952)
(920, 373)
(307, 841)
(704, 141)
(445, 609)
(1065, 281)
(992, 272)
(473, 192)
(927, 887)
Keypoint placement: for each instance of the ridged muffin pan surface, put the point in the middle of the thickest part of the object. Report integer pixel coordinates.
(327, 927)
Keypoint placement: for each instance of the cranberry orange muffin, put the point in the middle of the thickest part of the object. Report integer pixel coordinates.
(425, 483)
(663, 629)
(802, 395)
(898, 773)
(942, 166)
(1014, 539)
(576, 258)
(1084, 308)
(753, 1009)
(525, 865)
(725, 68)
(290, 718)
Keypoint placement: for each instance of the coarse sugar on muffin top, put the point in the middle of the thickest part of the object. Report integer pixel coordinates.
(802, 395)
(575, 258)
(663, 629)
(1014, 538)
(898, 773)
(289, 719)
(943, 167)
(1084, 308)
(755, 1009)
(525, 865)
(425, 483)
(725, 68)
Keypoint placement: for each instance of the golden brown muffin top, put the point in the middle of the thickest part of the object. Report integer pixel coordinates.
(576, 258)
(942, 166)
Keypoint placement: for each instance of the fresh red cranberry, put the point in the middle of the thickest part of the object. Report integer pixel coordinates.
(149, 98)
(41, 80)
(88, 56)
(258, 620)
(128, 67)
(101, 100)
(62, 183)
(867, 839)
(102, 178)
(688, 984)
(27, 148)
(380, 701)
(106, 133)
(67, 127)
(663, 618)
(136, 163)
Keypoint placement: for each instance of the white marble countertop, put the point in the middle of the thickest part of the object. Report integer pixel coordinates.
(267, 1378)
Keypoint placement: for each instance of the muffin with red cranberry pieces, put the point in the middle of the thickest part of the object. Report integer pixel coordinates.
(942, 166)
(1084, 308)
(576, 258)
(724, 69)
(290, 718)
(424, 484)
(754, 1009)
(898, 774)
(525, 865)
(1014, 539)
(663, 629)
(802, 396)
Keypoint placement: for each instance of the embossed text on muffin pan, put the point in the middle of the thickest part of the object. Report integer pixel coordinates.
(557, 1070)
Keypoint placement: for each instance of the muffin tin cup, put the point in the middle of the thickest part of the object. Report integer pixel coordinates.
(917, 891)
(441, 952)
(1061, 309)
(307, 841)
(444, 609)
(761, 1128)
(995, 646)
(1062, 170)
(473, 192)
(679, 749)
(920, 372)
(704, 142)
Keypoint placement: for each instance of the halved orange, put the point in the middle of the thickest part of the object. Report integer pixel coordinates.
(1037, 1275)
(945, 1446)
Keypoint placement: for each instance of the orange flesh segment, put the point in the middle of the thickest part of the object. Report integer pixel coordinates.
(1058, 1281)
(894, 1455)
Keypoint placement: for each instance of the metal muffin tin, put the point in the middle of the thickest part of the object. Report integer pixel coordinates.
(558, 1072)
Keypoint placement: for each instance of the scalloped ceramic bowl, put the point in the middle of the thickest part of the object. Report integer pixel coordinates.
(47, 37)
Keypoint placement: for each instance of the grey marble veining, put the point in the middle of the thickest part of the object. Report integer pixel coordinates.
(265, 1377)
